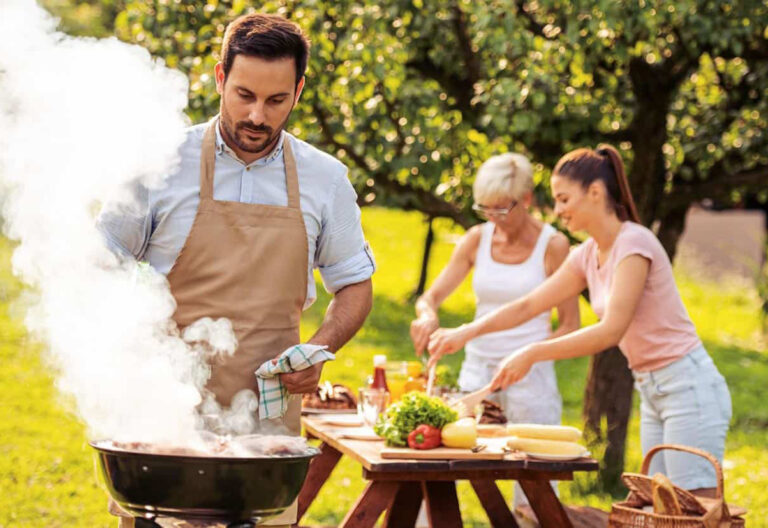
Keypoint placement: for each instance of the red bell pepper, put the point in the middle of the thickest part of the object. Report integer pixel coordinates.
(424, 437)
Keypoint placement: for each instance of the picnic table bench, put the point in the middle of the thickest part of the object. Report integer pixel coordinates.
(398, 486)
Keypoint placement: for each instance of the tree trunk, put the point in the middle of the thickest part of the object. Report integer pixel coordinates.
(671, 226)
(609, 394)
(425, 259)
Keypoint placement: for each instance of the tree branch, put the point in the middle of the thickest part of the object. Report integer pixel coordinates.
(471, 63)
(533, 24)
(720, 184)
(461, 86)
(391, 108)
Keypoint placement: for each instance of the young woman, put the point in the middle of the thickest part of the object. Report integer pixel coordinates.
(511, 254)
(684, 399)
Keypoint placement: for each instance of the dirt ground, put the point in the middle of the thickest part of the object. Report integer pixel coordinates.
(723, 244)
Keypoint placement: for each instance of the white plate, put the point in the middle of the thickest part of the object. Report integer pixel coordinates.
(343, 420)
(310, 410)
(558, 458)
(358, 433)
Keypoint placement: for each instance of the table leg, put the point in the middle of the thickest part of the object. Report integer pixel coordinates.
(319, 470)
(494, 504)
(404, 509)
(545, 504)
(442, 504)
(374, 500)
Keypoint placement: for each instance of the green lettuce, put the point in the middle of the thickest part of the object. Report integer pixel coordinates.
(413, 409)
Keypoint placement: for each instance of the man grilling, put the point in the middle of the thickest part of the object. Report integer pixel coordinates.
(248, 214)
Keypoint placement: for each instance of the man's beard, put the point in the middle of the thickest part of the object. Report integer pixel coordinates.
(236, 135)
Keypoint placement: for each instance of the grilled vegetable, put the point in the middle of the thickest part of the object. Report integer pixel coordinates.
(546, 447)
(462, 433)
(562, 433)
(424, 437)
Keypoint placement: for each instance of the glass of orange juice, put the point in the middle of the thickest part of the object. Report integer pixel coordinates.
(416, 382)
(414, 368)
(397, 377)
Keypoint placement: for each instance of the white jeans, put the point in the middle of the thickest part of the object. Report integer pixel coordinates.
(688, 403)
(533, 399)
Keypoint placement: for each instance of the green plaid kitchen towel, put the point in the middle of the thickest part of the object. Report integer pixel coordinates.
(273, 397)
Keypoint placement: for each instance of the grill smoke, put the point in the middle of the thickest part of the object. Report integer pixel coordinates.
(82, 120)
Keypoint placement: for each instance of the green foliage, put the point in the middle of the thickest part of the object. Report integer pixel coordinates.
(412, 410)
(92, 18)
(413, 96)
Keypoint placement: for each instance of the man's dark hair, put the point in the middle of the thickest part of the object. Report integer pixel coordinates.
(267, 37)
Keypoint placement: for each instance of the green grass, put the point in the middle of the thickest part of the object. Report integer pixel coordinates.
(47, 475)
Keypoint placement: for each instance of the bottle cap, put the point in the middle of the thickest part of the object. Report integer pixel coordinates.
(379, 360)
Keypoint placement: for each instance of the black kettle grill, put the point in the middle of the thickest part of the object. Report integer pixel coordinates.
(238, 492)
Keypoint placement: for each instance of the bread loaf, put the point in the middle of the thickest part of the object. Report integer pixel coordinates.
(664, 496)
(546, 447)
(561, 433)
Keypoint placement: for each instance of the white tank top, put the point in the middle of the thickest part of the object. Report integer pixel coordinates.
(496, 284)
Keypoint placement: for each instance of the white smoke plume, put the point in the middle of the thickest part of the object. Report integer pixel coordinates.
(80, 120)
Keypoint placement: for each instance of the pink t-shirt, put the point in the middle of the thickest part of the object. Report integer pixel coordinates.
(661, 330)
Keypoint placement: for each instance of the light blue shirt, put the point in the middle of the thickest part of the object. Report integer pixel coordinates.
(155, 227)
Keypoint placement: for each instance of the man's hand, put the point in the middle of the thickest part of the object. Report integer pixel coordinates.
(303, 381)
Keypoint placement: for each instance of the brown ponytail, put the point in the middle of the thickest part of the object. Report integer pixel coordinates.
(586, 166)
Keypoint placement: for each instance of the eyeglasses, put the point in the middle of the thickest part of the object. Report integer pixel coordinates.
(490, 211)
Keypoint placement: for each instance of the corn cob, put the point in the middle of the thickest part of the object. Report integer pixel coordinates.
(546, 447)
(491, 430)
(561, 433)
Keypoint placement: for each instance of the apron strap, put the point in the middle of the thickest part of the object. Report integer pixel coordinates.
(291, 174)
(208, 161)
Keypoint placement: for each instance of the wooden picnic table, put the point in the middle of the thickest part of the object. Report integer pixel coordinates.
(398, 486)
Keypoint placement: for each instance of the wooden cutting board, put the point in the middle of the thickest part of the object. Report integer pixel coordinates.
(443, 453)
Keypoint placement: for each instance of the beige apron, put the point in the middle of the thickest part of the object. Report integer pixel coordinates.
(248, 263)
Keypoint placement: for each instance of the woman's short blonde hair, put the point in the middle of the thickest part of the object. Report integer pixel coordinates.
(504, 177)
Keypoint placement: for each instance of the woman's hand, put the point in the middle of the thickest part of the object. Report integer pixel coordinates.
(447, 341)
(513, 368)
(421, 329)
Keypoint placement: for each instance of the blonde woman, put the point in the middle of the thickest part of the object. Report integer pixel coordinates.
(511, 254)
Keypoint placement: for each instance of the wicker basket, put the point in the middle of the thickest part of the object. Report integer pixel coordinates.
(699, 512)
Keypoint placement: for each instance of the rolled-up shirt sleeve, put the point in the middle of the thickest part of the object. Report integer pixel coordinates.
(126, 227)
(343, 256)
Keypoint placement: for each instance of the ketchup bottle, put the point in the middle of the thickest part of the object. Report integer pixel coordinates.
(379, 374)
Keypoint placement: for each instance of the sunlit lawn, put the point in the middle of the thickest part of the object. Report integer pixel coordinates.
(46, 468)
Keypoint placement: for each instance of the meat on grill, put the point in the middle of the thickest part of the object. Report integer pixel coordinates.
(330, 396)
